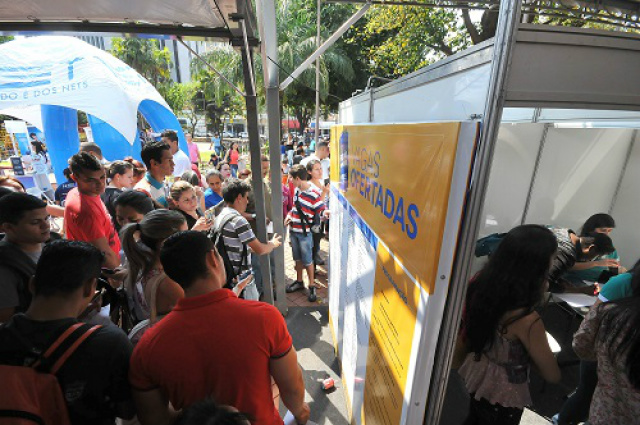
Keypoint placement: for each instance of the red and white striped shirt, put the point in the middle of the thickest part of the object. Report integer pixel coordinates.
(311, 204)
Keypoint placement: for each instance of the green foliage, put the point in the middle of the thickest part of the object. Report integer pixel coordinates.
(222, 102)
(180, 96)
(296, 20)
(398, 40)
(146, 57)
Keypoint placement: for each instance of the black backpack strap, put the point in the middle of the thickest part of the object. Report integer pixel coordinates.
(64, 346)
(222, 249)
(303, 217)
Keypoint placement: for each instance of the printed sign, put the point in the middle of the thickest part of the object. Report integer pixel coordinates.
(391, 199)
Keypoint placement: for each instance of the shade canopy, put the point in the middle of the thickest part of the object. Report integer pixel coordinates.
(65, 71)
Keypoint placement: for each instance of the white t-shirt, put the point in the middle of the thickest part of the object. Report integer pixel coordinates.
(325, 163)
(182, 163)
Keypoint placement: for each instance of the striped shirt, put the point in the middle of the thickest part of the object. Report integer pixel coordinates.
(311, 204)
(565, 258)
(235, 234)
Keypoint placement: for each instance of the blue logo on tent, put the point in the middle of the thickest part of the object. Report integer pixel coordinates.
(20, 77)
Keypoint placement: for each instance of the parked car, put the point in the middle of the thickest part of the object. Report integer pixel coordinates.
(244, 135)
(227, 134)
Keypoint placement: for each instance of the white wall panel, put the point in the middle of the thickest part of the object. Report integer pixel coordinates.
(578, 175)
(455, 98)
(626, 211)
(514, 159)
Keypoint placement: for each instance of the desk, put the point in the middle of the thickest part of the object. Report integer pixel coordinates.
(579, 303)
(576, 305)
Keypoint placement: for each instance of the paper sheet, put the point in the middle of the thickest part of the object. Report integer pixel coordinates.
(577, 300)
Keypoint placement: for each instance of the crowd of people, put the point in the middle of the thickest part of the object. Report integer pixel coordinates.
(502, 335)
(191, 335)
(181, 247)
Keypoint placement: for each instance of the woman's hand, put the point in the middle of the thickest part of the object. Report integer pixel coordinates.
(202, 225)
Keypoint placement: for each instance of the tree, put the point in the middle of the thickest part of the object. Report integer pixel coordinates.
(221, 101)
(146, 57)
(297, 41)
(398, 40)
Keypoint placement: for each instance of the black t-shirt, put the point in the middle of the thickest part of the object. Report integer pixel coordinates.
(93, 379)
(109, 198)
(190, 220)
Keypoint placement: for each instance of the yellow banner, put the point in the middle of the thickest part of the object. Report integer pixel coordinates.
(398, 178)
(393, 320)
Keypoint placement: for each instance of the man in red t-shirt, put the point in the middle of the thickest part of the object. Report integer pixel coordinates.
(213, 344)
(85, 216)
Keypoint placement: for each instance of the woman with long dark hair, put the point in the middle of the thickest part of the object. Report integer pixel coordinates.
(610, 336)
(501, 330)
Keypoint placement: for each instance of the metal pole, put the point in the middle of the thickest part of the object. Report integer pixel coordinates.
(502, 50)
(328, 43)
(543, 141)
(256, 173)
(269, 49)
(317, 132)
(632, 142)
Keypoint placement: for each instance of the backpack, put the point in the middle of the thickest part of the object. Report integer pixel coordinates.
(31, 393)
(487, 245)
(216, 236)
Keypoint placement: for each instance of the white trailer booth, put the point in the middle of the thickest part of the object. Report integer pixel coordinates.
(560, 113)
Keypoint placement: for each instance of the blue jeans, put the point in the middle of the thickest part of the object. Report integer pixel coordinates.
(234, 170)
(302, 247)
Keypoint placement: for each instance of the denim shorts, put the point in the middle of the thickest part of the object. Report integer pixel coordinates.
(302, 247)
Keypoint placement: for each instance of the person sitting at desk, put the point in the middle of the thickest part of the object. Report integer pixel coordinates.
(571, 249)
(591, 271)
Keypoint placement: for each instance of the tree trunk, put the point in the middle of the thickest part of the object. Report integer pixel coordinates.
(471, 28)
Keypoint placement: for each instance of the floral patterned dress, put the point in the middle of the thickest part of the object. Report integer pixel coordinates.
(615, 401)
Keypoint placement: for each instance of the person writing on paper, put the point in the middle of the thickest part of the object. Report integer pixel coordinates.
(232, 361)
(591, 271)
(502, 333)
(571, 249)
